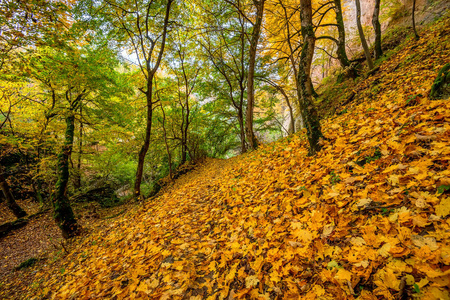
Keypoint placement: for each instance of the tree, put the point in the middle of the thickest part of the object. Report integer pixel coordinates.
(304, 85)
(256, 31)
(225, 46)
(72, 77)
(145, 26)
(361, 35)
(186, 69)
(377, 27)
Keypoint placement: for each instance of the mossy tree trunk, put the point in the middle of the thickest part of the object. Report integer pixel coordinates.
(10, 201)
(304, 85)
(377, 27)
(64, 215)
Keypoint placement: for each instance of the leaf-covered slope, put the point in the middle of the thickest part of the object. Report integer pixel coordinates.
(367, 217)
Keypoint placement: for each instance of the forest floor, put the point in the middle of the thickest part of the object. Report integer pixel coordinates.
(366, 218)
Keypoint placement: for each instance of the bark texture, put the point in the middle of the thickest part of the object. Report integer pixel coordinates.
(64, 215)
(304, 85)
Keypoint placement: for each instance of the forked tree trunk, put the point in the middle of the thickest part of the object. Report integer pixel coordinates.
(304, 85)
(10, 202)
(377, 27)
(251, 139)
(341, 53)
(361, 35)
(64, 215)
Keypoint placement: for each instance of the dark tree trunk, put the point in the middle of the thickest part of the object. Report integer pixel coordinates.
(377, 27)
(341, 52)
(251, 139)
(242, 129)
(10, 202)
(304, 86)
(169, 154)
(146, 145)
(64, 215)
(77, 184)
(414, 20)
(361, 35)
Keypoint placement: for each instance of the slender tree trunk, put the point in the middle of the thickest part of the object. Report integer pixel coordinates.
(80, 151)
(414, 20)
(169, 154)
(242, 130)
(291, 129)
(377, 27)
(341, 53)
(361, 35)
(304, 86)
(253, 143)
(10, 202)
(64, 215)
(146, 145)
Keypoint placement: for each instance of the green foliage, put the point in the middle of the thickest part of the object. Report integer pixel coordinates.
(443, 188)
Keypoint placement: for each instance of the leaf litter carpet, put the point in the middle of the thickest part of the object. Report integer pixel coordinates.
(367, 218)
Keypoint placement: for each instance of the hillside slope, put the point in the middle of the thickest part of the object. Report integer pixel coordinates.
(367, 218)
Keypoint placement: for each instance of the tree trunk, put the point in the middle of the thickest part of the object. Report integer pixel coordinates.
(252, 142)
(304, 86)
(341, 53)
(361, 35)
(77, 184)
(145, 146)
(169, 154)
(242, 130)
(10, 202)
(64, 215)
(377, 27)
(414, 20)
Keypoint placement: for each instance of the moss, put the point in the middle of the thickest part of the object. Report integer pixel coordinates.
(28, 263)
(441, 85)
